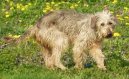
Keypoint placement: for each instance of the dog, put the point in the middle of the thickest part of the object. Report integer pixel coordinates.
(57, 30)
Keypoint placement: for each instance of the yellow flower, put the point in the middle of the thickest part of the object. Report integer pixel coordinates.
(10, 35)
(126, 23)
(6, 12)
(16, 36)
(86, 5)
(52, 2)
(67, 2)
(7, 0)
(62, 2)
(7, 15)
(47, 3)
(56, 5)
(12, 8)
(11, 3)
(126, 17)
(23, 8)
(75, 5)
(116, 34)
(59, 3)
(72, 7)
(29, 4)
(126, 8)
(45, 11)
(120, 18)
(26, 6)
(115, 1)
(18, 6)
(118, 15)
(78, 1)
(48, 8)
(20, 20)
(111, 12)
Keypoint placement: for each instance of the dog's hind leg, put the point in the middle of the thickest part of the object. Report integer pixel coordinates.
(47, 57)
(61, 45)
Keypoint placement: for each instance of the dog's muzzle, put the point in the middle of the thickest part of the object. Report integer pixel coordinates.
(109, 35)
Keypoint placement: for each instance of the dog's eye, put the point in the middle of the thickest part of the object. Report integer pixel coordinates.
(110, 23)
(102, 24)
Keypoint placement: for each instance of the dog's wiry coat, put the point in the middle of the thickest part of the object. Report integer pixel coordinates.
(56, 30)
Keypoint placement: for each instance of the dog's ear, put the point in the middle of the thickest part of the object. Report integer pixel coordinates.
(106, 9)
(115, 19)
(93, 22)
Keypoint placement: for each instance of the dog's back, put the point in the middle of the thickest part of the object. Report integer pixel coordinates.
(66, 21)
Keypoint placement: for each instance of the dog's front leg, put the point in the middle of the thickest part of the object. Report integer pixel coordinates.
(98, 56)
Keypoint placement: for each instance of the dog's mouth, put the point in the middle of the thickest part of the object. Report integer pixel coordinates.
(109, 35)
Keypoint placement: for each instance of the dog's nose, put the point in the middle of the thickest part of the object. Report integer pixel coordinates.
(109, 35)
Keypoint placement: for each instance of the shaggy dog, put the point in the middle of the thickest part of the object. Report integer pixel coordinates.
(57, 30)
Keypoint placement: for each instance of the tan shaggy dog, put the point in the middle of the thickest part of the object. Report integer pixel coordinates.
(57, 30)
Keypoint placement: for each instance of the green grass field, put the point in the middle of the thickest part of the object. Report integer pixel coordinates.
(24, 61)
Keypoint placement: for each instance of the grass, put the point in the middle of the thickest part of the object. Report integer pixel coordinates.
(36, 72)
(24, 61)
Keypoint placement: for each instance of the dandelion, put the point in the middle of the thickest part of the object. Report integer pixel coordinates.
(115, 1)
(20, 20)
(16, 36)
(29, 4)
(72, 7)
(86, 5)
(62, 2)
(76, 5)
(120, 18)
(67, 2)
(45, 11)
(12, 8)
(18, 6)
(11, 3)
(56, 5)
(47, 3)
(7, 0)
(23, 8)
(111, 12)
(10, 35)
(125, 8)
(126, 23)
(7, 14)
(48, 8)
(126, 17)
(78, 1)
(59, 3)
(52, 2)
(118, 15)
(116, 34)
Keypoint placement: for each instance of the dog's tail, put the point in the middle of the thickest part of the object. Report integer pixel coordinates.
(29, 33)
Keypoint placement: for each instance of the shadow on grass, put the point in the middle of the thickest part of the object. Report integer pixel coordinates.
(114, 62)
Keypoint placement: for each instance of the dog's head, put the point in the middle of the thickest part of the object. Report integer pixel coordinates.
(104, 23)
